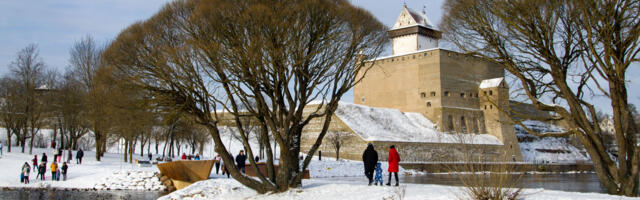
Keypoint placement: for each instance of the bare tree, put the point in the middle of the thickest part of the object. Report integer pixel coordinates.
(29, 71)
(202, 57)
(562, 52)
(11, 110)
(84, 61)
(337, 139)
(70, 109)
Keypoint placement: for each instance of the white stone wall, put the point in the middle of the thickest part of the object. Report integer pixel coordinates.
(405, 44)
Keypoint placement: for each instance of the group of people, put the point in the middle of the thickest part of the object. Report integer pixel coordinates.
(240, 160)
(55, 168)
(371, 164)
(185, 157)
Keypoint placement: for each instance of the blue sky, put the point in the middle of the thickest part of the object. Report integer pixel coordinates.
(56, 24)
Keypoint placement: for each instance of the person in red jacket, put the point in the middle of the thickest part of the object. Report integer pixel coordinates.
(184, 156)
(393, 160)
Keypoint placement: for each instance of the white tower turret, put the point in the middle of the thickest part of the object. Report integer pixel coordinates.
(413, 32)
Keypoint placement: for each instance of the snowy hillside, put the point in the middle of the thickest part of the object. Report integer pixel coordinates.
(384, 124)
(549, 149)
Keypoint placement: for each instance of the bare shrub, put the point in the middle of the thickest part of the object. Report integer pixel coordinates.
(489, 181)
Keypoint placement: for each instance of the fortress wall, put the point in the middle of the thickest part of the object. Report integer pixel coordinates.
(353, 146)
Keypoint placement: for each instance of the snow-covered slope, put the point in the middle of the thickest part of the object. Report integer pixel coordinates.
(384, 124)
(548, 149)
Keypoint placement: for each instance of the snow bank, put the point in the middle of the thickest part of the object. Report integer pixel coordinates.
(548, 149)
(131, 180)
(384, 124)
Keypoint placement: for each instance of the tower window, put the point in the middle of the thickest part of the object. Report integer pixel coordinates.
(428, 104)
(490, 92)
(362, 99)
(485, 107)
(462, 95)
(433, 94)
(485, 93)
(490, 106)
(423, 95)
(446, 93)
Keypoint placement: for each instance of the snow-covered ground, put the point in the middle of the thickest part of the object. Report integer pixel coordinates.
(385, 124)
(548, 149)
(81, 176)
(330, 189)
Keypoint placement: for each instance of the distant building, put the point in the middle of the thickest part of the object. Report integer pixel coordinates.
(459, 93)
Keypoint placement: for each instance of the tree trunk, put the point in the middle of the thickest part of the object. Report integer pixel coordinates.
(33, 135)
(8, 140)
(131, 150)
(98, 138)
(126, 147)
(157, 147)
(55, 133)
(142, 143)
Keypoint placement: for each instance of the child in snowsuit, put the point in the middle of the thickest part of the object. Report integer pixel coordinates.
(378, 177)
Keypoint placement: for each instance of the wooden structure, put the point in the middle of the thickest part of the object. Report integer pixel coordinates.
(185, 172)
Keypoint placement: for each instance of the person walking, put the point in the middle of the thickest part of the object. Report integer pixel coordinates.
(197, 157)
(393, 160)
(64, 171)
(59, 158)
(54, 169)
(370, 158)
(79, 156)
(218, 160)
(184, 156)
(26, 169)
(150, 156)
(42, 168)
(1, 154)
(34, 161)
(44, 158)
(240, 160)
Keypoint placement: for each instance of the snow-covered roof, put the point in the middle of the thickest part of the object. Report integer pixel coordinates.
(410, 17)
(490, 83)
(384, 124)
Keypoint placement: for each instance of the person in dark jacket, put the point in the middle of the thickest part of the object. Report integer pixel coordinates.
(370, 158)
(64, 171)
(150, 156)
(79, 156)
(44, 158)
(240, 160)
(42, 168)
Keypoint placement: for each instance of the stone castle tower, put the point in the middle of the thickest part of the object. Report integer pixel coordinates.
(443, 85)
